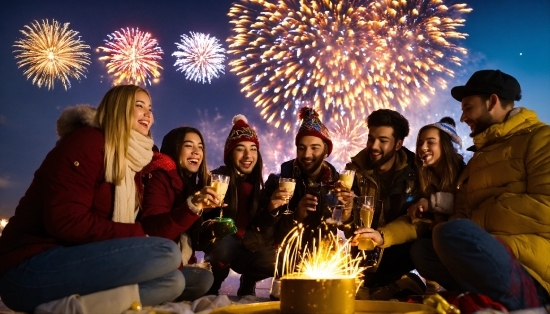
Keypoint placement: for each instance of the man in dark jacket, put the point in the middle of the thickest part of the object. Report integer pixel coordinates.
(313, 177)
(385, 170)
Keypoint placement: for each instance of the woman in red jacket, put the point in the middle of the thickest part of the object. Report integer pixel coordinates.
(74, 231)
(175, 197)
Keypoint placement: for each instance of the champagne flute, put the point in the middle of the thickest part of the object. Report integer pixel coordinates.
(220, 183)
(289, 184)
(346, 176)
(366, 214)
(220, 227)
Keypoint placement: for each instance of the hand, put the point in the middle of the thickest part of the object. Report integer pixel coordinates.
(415, 211)
(307, 204)
(368, 233)
(206, 199)
(345, 197)
(278, 199)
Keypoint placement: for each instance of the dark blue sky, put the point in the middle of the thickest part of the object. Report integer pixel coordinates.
(509, 35)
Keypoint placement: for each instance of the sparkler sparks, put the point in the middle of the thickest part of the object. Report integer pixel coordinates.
(133, 57)
(342, 56)
(200, 57)
(50, 52)
(329, 258)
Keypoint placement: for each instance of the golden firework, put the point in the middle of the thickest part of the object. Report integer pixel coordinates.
(350, 56)
(50, 52)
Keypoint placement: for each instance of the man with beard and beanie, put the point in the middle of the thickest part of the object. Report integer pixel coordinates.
(497, 243)
(313, 146)
(243, 165)
(385, 170)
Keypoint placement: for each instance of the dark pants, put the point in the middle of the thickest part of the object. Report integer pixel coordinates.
(463, 257)
(229, 253)
(396, 261)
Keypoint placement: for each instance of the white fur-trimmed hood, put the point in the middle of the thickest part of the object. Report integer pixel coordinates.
(75, 117)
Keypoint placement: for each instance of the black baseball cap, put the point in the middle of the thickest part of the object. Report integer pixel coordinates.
(487, 82)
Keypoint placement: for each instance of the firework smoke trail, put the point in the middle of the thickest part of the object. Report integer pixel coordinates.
(276, 147)
(133, 57)
(50, 52)
(214, 129)
(349, 137)
(200, 57)
(342, 56)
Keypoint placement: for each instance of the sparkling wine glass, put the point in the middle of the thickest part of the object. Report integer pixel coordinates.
(219, 227)
(289, 184)
(366, 214)
(346, 176)
(220, 183)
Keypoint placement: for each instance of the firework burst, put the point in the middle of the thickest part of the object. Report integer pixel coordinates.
(349, 137)
(133, 57)
(341, 56)
(50, 52)
(200, 57)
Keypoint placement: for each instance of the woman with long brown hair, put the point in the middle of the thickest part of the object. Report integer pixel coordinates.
(176, 196)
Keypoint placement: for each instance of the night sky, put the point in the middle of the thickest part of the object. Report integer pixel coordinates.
(513, 36)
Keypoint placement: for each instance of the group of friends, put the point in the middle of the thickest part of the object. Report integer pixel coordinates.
(107, 208)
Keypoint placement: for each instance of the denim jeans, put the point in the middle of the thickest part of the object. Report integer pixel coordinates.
(463, 257)
(197, 282)
(150, 262)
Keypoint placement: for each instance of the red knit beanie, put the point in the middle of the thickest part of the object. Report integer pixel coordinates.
(240, 132)
(312, 125)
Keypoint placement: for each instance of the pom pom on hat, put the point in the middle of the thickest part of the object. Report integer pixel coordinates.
(240, 132)
(447, 125)
(312, 125)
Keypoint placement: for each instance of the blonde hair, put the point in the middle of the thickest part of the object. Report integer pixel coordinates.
(114, 117)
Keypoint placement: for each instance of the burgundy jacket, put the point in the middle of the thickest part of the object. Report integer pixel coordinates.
(165, 210)
(68, 202)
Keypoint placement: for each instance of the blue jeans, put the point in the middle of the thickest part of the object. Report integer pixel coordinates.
(463, 257)
(150, 262)
(197, 282)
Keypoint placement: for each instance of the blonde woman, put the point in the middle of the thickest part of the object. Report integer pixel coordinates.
(74, 231)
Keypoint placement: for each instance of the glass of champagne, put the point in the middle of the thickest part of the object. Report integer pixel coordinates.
(220, 183)
(219, 227)
(346, 176)
(289, 184)
(366, 214)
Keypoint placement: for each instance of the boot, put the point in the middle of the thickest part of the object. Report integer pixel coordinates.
(409, 281)
(220, 272)
(247, 286)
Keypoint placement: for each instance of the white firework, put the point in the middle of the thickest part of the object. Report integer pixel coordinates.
(200, 57)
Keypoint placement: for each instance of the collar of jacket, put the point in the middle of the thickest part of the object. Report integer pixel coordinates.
(328, 172)
(520, 121)
(361, 161)
(163, 162)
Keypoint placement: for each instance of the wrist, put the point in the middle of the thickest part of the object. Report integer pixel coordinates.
(195, 209)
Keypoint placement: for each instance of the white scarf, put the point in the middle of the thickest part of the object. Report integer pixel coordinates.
(138, 156)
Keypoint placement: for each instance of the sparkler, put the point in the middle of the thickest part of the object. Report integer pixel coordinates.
(200, 57)
(342, 56)
(50, 52)
(328, 258)
(133, 57)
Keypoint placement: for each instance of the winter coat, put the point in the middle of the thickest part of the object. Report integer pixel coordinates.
(276, 228)
(505, 189)
(165, 210)
(68, 202)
